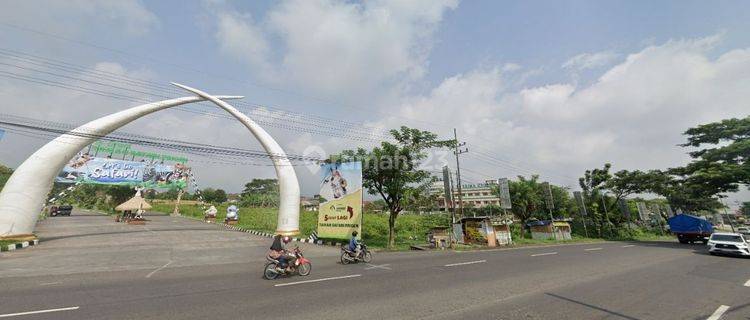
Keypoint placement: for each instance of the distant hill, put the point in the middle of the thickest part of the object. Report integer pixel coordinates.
(5, 173)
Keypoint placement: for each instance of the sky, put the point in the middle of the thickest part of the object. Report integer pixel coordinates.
(547, 87)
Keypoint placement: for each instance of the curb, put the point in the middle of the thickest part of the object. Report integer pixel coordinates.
(20, 245)
(268, 235)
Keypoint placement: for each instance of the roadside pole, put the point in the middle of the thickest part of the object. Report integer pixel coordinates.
(457, 152)
(731, 224)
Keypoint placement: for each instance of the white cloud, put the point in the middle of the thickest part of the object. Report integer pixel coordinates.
(590, 60)
(337, 48)
(72, 17)
(633, 115)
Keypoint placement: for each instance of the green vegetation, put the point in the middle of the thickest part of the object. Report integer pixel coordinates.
(392, 170)
(410, 229)
(4, 244)
(5, 173)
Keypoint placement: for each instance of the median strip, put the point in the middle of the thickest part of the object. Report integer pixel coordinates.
(37, 312)
(543, 254)
(465, 263)
(718, 313)
(317, 280)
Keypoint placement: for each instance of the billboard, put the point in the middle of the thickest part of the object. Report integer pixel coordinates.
(92, 170)
(505, 202)
(581, 205)
(447, 188)
(643, 212)
(340, 210)
(547, 190)
(624, 208)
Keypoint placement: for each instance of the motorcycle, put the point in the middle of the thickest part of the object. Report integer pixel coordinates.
(347, 256)
(301, 266)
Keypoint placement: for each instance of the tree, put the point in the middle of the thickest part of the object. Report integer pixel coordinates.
(5, 173)
(593, 183)
(391, 170)
(745, 208)
(722, 164)
(525, 197)
(261, 193)
(212, 195)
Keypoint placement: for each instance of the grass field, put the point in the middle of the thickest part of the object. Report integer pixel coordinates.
(410, 229)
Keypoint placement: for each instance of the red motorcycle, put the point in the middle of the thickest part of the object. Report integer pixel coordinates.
(301, 266)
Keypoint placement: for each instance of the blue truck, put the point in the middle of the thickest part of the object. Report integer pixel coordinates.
(689, 228)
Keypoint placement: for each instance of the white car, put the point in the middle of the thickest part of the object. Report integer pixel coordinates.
(745, 231)
(728, 243)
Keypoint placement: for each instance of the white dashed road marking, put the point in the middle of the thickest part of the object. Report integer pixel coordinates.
(382, 266)
(628, 246)
(718, 313)
(465, 263)
(592, 249)
(543, 254)
(157, 270)
(49, 283)
(316, 280)
(36, 312)
(747, 284)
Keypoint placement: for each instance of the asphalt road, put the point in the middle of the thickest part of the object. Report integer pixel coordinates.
(88, 267)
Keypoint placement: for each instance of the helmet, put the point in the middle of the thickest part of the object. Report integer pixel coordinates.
(286, 239)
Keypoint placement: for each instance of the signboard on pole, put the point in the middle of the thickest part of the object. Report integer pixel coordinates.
(447, 188)
(581, 205)
(90, 170)
(669, 211)
(642, 210)
(624, 209)
(504, 193)
(340, 211)
(547, 190)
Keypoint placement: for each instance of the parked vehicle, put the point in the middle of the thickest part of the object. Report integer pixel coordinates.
(690, 228)
(63, 210)
(728, 243)
(301, 266)
(745, 231)
(347, 256)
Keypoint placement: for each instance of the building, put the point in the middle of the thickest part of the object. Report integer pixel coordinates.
(473, 195)
(544, 230)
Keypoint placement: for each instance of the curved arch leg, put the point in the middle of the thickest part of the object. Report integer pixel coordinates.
(288, 220)
(23, 196)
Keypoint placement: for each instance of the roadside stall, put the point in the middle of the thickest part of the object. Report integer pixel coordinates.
(546, 229)
(133, 209)
(439, 237)
(490, 231)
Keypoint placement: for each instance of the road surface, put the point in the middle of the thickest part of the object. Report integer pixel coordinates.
(88, 267)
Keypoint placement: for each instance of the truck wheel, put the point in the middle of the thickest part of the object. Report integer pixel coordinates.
(682, 241)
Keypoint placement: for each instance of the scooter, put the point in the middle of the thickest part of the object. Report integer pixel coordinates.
(301, 266)
(347, 256)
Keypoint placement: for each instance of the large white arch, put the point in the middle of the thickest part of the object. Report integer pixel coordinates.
(288, 219)
(24, 194)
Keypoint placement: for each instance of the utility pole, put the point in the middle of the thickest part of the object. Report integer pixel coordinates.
(731, 224)
(457, 152)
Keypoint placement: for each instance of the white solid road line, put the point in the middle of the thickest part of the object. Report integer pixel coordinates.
(628, 246)
(316, 280)
(747, 284)
(718, 313)
(543, 254)
(36, 312)
(465, 263)
(592, 249)
(157, 270)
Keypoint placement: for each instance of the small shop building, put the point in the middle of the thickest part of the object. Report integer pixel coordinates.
(546, 229)
(490, 231)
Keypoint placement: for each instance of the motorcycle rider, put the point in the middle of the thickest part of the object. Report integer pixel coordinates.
(279, 252)
(354, 244)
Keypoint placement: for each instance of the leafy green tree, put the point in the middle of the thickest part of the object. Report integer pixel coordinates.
(212, 195)
(526, 197)
(5, 173)
(261, 193)
(392, 169)
(722, 164)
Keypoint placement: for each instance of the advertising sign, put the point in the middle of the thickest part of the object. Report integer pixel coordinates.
(547, 190)
(125, 150)
(91, 170)
(624, 208)
(581, 205)
(340, 211)
(642, 211)
(504, 193)
(447, 188)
